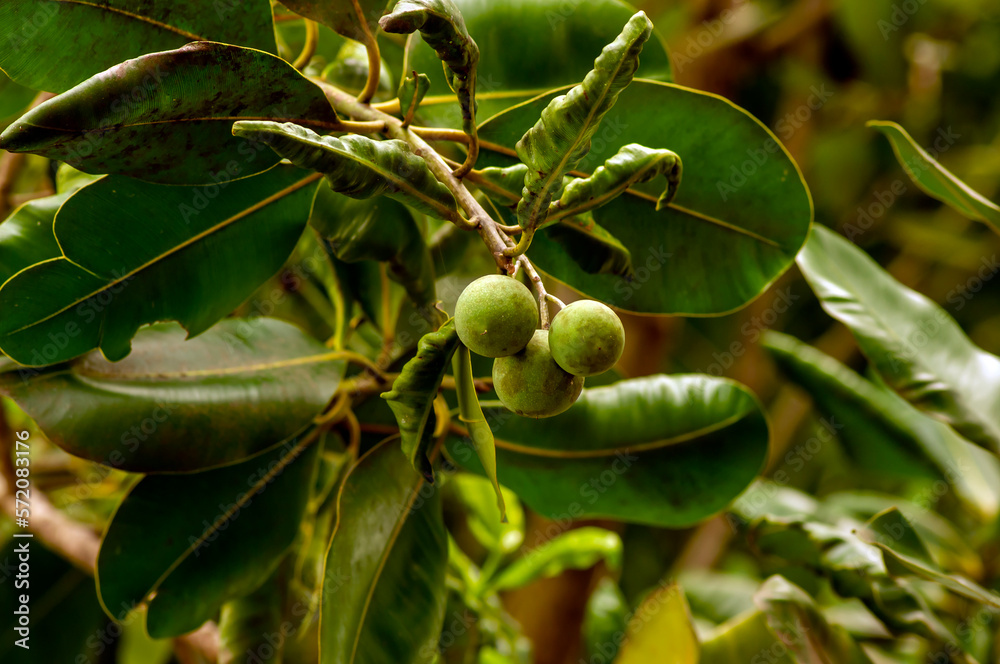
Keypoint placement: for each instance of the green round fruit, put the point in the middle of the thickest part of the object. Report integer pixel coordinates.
(531, 384)
(586, 338)
(495, 316)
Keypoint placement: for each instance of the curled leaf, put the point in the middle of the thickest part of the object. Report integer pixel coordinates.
(561, 137)
(413, 392)
(412, 90)
(357, 166)
(632, 164)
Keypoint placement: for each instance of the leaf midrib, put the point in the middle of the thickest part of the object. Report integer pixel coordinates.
(136, 17)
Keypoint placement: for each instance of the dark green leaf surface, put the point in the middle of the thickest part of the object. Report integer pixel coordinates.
(137, 253)
(917, 348)
(207, 548)
(413, 393)
(14, 97)
(593, 248)
(391, 546)
(357, 166)
(167, 117)
(663, 450)
(556, 46)
(176, 405)
(757, 221)
(254, 622)
(580, 548)
(354, 19)
(935, 180)
(871, 414)
(376, 229)
(26, 236)
(561, 138)
(106, 33)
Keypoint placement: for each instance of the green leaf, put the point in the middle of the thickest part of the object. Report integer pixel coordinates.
(377, 229)
(413, 392)
(129, 260)
(741, 639)
(14, 98)
(873, 417)
(249, 623)
(580, 548)
(631, 165)
(605, 620)
(478, 497)
(357, 166)
(167, 117)
(26, 236)
(661, 450)
(561, 138)
(934, 179)
(354, 19)
(661, 631)
(745, 200)
(595, 250)
(556, 46)
(34, 34)
(391, 606)
(442, 27)
(917, 348)
(148, 413)
(207, 548)
(471, 414)
(793, 615)
(904, 553)
(412, 91)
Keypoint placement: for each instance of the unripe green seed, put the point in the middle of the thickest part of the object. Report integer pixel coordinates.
(531, 384)
(586, 338)
(495, 316)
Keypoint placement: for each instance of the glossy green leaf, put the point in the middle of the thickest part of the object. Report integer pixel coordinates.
(972, 471)
(391, 606)
(661, 450)
(633, 164)
(376, 229)
(741, 639)
(743, 198)
(354, 19)
(917, 348)
(605, 620)
(177, 129)
(26, 236)
(794, 615)
(561, 137)
(250, 623)
(35, 33)
(905, 552)
(593, 248)
(357, 166)
(934, 179)
(14, 97)
(412, 91)
(136, 253)
(258, 381)
(470, 413)
(206, 549)
(661, 631)
(442, 27)
(413, 392)
(478, 497)
(580, 548)
(556, 46)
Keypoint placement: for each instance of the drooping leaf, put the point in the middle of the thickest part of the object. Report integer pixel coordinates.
(376, 229)
(471, 414)
(917, 348)
(605, 620)
(797, 620)
(478, 497)
(34, 34)
(556, 46)
(662, 450)
(412, 90)
(595, 250)
(561, 138)
(207, 548)
(631, 165)
(177, 128)
(357, 166)
(257, 381)
(391, 606)
(934, 179)
(745, 200)
(661, 631)
(413, 393)
(972, 471)
(581, 548)
(905, 553)
(354, 19)
(441, 25)
(136, 253)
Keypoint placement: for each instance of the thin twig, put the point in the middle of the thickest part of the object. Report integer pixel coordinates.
(543, 296)
(309, 48)
(374, 58)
